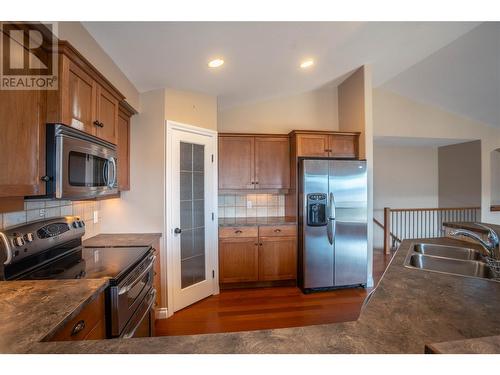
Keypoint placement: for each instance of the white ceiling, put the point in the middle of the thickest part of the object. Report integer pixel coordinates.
(463, 77)
(262, 57)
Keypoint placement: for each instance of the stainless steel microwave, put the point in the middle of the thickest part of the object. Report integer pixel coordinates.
(79, 166)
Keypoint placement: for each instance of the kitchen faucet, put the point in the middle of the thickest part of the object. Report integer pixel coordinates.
(491, 246)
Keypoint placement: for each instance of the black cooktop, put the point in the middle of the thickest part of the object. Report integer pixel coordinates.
(89, 263)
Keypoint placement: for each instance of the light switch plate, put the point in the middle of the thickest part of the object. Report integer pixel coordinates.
(96, 217)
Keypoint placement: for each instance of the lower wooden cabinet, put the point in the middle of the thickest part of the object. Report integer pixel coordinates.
(269, 256)
(238, 260)
(89, 324)
(277, 258)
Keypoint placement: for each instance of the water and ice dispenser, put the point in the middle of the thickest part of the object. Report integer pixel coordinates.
(316, 209)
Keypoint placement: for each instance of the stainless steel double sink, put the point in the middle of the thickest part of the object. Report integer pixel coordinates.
(453, 260)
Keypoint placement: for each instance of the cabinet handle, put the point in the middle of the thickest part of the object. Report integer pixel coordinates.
(277, 230)
(79, 327)
(238, 231)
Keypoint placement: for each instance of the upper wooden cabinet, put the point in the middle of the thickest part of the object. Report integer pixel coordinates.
(326, 144)
(22, 142)
(253, 162)
(85, 99)
(125, 112)
(236, 162)
(272, 155)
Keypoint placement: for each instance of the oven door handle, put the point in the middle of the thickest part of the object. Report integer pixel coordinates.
(152, 299)
(8, 251)
(126, 288)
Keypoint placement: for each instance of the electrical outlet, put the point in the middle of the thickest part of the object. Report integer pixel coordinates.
(249, 204)
(42, 212)
(96, 217)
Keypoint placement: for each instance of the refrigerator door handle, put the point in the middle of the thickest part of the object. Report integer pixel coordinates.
(330, 230)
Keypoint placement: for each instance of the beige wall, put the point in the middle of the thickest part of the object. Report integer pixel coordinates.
(80, 38)
(355, 107)
(460, 175)
(191, 108)
(313, 110)
(397, 116)
(403, 177)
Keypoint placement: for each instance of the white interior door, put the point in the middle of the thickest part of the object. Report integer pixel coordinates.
(193, 226)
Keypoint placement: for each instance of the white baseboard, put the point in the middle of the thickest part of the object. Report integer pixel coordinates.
(162, 313)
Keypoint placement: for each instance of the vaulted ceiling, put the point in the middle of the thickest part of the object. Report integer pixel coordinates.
(463, 77)
(262, 58)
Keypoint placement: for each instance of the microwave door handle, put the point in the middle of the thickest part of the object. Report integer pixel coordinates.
(113, 173)
(105, 173)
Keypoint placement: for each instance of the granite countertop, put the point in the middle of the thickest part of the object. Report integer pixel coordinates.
(472, 226)
(409, 309)
(482, 345)
(31, 310)
(122, 240)
(253, 221)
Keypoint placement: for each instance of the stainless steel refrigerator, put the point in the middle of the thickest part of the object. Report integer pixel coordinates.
(332, 224)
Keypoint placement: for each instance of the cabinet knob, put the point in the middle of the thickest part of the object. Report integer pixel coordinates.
(101, 125)
(80, 326)
(238, 231)
(96, 123)
(277, 230)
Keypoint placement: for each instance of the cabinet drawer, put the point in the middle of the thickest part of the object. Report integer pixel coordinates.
(277, 231)
(237, 232)
(88, 323)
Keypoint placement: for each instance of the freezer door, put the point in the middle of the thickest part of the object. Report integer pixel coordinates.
(348, 194)
(315, 249)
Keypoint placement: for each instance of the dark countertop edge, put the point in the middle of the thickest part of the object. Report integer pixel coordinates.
(77, 310)
(469, 225)
(102, 237)
(263, 221)
(478, 345)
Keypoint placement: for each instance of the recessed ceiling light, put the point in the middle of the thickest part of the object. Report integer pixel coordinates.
(215, 63)
(307, 63)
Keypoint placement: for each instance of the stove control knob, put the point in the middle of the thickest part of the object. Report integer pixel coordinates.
(29, 237)
(83, 223)
(75, 224)
(18, 241)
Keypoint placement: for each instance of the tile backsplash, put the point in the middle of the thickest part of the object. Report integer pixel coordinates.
(45, 209)
(251, 205)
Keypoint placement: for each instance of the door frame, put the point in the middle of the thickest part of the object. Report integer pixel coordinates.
(212, 242)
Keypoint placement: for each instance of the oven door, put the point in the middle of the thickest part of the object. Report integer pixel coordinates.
(142, 323)
(84, 169)
(128, 296)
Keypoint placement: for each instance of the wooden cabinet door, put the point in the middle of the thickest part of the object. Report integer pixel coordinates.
(107, 115)
(236, 162)
(312, 145)
(78, 91)
(123, 150)
(272, 163)
(238, 260)
(277, 258)
(343, 146)
(22, 142)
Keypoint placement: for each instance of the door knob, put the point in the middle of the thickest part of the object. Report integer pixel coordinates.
(177, 230)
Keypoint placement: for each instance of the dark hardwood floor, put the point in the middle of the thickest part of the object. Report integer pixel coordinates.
(264, 308)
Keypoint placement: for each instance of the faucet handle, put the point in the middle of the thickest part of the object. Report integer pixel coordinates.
(492, 235)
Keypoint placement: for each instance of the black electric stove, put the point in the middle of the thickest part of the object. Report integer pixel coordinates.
(52, 249)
